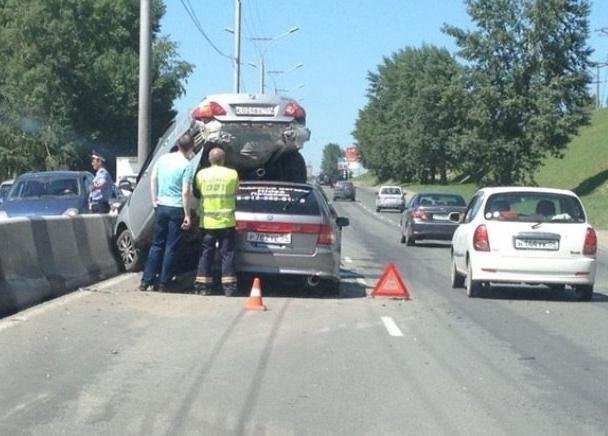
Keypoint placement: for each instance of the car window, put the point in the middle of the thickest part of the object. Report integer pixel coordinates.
(390, 191)
(534, 207)
(473, 208)
(277, 200)
(412, 202)
(36, 188)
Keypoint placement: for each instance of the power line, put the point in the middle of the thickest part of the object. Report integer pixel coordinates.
(190, 10)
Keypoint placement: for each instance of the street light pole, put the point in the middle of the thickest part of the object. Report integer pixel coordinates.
(145, 47)
(237, 46)
(262, 52)
(272, 73)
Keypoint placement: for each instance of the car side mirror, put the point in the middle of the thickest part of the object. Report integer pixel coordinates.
(456, 217)
(126, 185)
(342, 221)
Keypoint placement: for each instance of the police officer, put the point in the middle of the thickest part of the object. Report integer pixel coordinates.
(217, 186)
(101, 188)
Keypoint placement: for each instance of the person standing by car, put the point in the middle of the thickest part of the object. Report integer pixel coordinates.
(171, 185)
(217, 186)
(101, 187)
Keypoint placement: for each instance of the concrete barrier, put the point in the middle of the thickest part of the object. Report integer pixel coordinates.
(42, 258)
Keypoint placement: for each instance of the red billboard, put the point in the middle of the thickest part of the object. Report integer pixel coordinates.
(352, 154)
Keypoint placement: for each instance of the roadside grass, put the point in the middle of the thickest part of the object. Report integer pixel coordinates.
(583, 169)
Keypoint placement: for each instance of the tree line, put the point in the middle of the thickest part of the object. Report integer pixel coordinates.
(69, 81)
(519, 96)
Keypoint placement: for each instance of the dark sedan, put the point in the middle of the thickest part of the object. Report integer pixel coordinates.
(427, 217)
(344, 189)
(48, 193)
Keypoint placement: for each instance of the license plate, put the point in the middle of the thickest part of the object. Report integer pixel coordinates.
(256, 111)
(440, 217)
(536, 244)
(269, 238)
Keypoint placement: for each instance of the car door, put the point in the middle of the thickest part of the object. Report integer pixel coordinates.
(463, 233)
(407, 214)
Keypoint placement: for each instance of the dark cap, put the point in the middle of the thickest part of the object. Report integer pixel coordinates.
(96, 155)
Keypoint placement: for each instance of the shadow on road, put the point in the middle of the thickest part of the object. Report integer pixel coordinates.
(536, 293)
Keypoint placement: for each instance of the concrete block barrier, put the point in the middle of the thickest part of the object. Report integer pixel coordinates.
(42, 258)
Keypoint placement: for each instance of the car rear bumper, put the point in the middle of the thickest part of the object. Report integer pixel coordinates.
(441, 231)
(323, 263)
(574, 271)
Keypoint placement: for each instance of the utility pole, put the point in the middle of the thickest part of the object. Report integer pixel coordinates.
(237, 45)
(145, 48)
(598, 100)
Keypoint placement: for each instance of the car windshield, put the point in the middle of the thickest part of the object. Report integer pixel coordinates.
(44, 187)
(390, 191)
(534, 207)
(274, 199)
(441, 200)
(4, 189)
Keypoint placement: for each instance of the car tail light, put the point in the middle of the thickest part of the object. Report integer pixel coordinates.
(590, 247)
(296, 111)
(325, 232)
(208, 111)
(480, 239)
(420, 214)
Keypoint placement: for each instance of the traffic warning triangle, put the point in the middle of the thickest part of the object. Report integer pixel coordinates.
(390, 285)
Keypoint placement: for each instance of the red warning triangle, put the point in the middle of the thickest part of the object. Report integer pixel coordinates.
(390, 285)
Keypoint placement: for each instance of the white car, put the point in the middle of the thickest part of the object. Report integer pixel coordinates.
(390, 197)
(524, 236)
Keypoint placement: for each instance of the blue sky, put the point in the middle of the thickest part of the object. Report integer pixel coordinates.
(338, 41)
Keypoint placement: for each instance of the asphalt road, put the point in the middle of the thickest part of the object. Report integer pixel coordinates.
(110, 360)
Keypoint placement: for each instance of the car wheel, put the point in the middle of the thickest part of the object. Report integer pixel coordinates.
(378, 209)
(402, 239)
(410, 241)
(457, 279)
(130, 256)
(473, 286)
(583, 292)
(294, 167)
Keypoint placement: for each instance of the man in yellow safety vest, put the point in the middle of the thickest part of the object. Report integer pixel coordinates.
(217, 186)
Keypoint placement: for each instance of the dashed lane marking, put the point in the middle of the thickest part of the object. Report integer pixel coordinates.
(391, 327)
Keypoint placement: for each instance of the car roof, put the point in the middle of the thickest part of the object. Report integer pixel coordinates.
(8, 182)
(45, 174)
(276, 183)
(503, 189)
(244, 97)
(390, 186)
(439, 193)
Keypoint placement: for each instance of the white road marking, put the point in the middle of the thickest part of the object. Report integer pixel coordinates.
(348, 259)
(47, 306)
(391, 327)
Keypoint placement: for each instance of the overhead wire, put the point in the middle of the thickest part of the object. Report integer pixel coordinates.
(192, 14)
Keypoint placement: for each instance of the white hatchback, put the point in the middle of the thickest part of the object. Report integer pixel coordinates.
(525, 235)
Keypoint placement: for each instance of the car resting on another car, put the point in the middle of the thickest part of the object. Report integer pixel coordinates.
(524, 235)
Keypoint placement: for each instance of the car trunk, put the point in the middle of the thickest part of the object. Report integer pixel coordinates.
(441, 214)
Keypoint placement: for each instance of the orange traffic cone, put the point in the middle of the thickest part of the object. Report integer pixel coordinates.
(255, 299)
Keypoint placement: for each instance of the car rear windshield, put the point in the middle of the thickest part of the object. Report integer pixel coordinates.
(45, 187)
(441, 200)
(534, 207)
(391, 191)
(277, 200)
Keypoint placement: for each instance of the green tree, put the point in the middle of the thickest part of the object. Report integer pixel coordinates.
(526, 77)
(332, 153)
(68, 80)
(410, 127)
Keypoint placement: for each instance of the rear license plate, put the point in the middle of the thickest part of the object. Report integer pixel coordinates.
(536, 244)
(440, 217)
(269, 238)
(256, 111)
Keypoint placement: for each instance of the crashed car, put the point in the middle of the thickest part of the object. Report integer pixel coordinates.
(260, 134)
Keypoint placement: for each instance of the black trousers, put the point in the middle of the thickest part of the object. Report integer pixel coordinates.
(224, 239)
(100, 208)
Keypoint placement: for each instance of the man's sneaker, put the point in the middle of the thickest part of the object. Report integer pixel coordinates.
(229, 291)
(161, 288)
(202, 289)
(143, 287)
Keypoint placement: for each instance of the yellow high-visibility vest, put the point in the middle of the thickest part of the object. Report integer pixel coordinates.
(217, 186)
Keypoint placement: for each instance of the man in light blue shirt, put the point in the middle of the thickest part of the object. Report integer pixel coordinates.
(171, 185)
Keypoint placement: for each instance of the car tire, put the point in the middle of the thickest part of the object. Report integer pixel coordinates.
(378, 209)
(583, 292)
(402, 239)
(410, 241)
(294, 167)
(456, 278)
(473, 287)
(130, 256)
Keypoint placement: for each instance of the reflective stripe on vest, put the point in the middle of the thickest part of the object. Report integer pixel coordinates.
(217, 186)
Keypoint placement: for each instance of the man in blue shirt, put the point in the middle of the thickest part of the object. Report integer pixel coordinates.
(171, 185)
(101, 188)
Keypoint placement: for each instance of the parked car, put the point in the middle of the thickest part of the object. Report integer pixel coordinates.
(48, 193)
(344, 189)
(288, 229)
(427, 217)
(524, 235)
(5, 187)
(390, 197)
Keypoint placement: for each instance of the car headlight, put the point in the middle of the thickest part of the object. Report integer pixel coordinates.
(71, 212)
